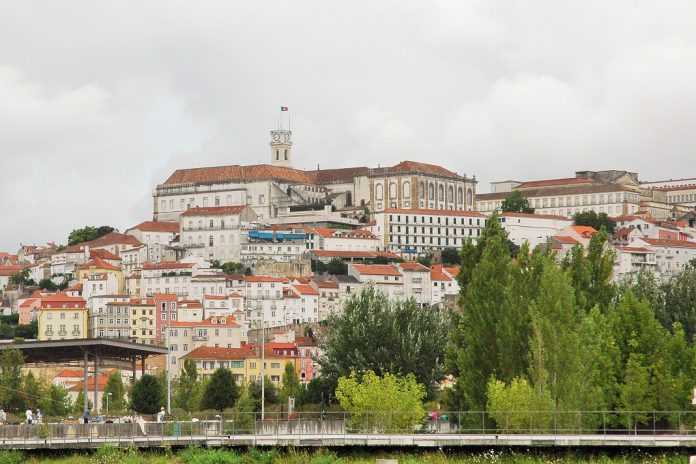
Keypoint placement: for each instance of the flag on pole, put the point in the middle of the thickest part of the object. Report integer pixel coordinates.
(283, 108)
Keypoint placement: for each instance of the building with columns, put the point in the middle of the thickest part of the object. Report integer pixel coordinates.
(278, 189)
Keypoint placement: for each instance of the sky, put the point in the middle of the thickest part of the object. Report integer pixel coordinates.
(101, 100)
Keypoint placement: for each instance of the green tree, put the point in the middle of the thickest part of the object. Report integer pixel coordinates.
(188, 392)
(494, 329)
(382, 404)
(594, 220)
(515, 202)
(450, 255)
(337, 267)
(221, 391)
(32, 390)
(232, 267)
(676, 302)
(374, 333)
(21, 278)
(78, 406)
(27, 331)
(244, 413)
(88, 233)
(47, 284)
(634, 393)
(425, 260)
(56, 401)
(11, 392)
(290, 386)
(117, 391)
(270, 392)
(519, 407)
(146, 395)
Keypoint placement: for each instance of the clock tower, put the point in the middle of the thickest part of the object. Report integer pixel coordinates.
(281, 147)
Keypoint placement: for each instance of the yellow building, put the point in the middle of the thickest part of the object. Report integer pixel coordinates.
(62, 317)
(244, 362)
(98, 269)
(143, 326)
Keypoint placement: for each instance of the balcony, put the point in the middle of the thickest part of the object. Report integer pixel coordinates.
(218, 227)
(200, 338)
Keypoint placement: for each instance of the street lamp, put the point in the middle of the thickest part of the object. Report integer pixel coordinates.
(169, 378)
(263, 364)
(107, 401)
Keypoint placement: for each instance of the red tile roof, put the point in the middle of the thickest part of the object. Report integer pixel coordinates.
(415, 167)
(57, 300)
(112, 238)
(29, 302)
(305, 289)
(437, 274)
(435, 212)
(342, 233)
(451, 270)
(585, 231)
(99, 263)
(142, 301)
(214, 210)
(236, 173)
(70, 373)
(376, 269)
(214, 297)
(635, 249)
(669, 243)
(165, 296)
(326, 284)
(11, 269)
(190, 304)
(155, 226)
(103, 254)
(413, 266)
(555, 182)
(565, 239)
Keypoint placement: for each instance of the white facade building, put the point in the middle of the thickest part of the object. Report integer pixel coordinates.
(536, 229)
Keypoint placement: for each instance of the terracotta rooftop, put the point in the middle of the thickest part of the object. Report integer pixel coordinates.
(326, 284)
(565, 239)
(376, 269)
(99, 263)
(112, 238)
(535, 216)
(214, 210)
(148, 266)
(103, 254)
(155, 226)
(305, 289)
(342, 233)
(413, 266)
(669, 243)
(265, 279)
(554, 182)
(353, 254)
(415, 167)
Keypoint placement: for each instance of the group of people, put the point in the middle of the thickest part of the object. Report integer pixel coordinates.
(33, 418)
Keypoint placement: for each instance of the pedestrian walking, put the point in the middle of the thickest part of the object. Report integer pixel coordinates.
(39, 416)
(85, 416)
(30, 416)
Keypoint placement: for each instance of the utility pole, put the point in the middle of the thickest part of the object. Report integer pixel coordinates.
(263, 364)
(169, 378)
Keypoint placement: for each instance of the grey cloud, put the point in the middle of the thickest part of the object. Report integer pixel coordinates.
(100, 101)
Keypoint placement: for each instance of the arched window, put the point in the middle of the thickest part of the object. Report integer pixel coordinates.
(460, 196)
(431, 191)
(421, 191)
(406, 188)
(440, 193)
(379, 191)
(392, 190)
(450, 194)
(469, 197)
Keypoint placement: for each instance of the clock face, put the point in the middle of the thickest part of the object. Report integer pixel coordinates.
(287, 137)
(276, 136)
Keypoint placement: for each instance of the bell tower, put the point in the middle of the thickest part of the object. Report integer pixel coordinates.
(281, 148)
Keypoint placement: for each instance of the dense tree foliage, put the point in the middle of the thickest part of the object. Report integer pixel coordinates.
(451, 256)
(374, 333)
(221, 391)
(516, 203)
(189, 390)
(290, 387)
(389, 403)
(535, 333)
(337, 267)
(146, 395)
(115, 391)
(592, 219)
(22, 278)
(229, 267)
(87, 234)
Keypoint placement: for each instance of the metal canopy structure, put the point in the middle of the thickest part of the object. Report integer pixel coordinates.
(86, 349)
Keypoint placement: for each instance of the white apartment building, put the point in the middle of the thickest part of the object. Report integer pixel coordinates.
(156, 236)
(445, 288)
(671, 256)
(301, 304)
(175, 277)
(417, 282)
(99, 284)
(320, 238)
(329, 297)
(415, 232)
(535, 229)
(387, 278)
(630, 260)
(216, 232)
(263, 300)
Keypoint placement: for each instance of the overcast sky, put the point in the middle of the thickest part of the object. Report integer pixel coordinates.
(101, 101)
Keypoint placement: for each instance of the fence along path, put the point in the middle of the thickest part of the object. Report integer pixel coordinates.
(466, 428)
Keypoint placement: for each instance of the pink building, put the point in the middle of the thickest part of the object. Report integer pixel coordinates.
(165, 311)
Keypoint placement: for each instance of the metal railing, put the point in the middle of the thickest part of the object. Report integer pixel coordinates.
(330, 423)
